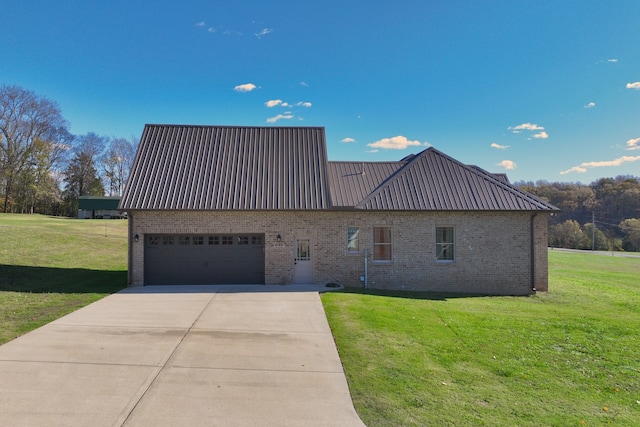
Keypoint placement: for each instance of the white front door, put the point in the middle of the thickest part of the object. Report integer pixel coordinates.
(302, 269)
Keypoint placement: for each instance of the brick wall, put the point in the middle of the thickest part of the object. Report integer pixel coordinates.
(493, 250)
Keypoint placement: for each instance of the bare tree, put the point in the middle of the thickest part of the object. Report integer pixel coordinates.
(25, 119)
(116, 164)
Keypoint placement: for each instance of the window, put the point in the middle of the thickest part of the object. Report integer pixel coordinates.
(167, 240)
(243, 240)
(214, 240)
(198, 240)
(153, 240)
(382, 243)
(227, 240)
(184, 240)
(353, 241)
(444, 243)
(256, 240)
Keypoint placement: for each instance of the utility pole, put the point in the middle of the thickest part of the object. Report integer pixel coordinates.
(593, 230)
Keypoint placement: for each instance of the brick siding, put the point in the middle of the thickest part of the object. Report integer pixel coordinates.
(494, 252)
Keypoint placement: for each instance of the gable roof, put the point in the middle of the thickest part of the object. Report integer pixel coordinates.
(431, 180)
(285, 168)
(228, 167)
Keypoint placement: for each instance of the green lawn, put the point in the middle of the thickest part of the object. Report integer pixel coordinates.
(51, 266)
(564, 358)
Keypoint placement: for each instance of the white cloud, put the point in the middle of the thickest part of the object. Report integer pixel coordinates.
(273, 102)
(605, 163)
(373, 151)
(525, 126)
(263, 32)
(590, 105)
(614, 60)
(247, 87)
(577, 169)
(286, 116)
(541, 135)
(396, 143)
(305, 84)
(498, 146)
(347, 140)
(507, 164)
(633, 144)
(279, 102)
(211, 30)
(200, 24)
(634, 85)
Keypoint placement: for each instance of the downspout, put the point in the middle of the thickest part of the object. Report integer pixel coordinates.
(533, 252)
(366, 268)
(129, 245)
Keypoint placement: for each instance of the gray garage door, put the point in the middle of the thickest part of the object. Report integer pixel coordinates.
(175, 259)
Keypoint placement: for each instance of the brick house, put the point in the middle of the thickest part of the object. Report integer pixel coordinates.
(230, 204)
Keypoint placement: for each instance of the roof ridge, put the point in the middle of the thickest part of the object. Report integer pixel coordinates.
(183, 125)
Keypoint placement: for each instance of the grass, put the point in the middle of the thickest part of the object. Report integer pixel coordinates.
(51, 266)
(563, 358)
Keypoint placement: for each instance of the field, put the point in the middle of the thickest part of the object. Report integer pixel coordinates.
(52, 266)
(563, 358)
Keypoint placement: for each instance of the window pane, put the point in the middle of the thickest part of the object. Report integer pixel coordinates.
(382, 252)
(382, 244)
(353, 244)
(381, 235)
(444, 244)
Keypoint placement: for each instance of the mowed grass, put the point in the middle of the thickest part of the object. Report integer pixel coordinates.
(563, 358)
(570, 357)
(51, 266)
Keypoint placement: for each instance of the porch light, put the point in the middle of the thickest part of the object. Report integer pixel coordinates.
(136, 238)
(278, 238)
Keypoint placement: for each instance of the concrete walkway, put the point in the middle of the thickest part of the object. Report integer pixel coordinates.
(180, 356)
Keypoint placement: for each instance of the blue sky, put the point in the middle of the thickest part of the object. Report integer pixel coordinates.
(537, 89)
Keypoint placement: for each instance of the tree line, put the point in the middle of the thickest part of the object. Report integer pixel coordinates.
(604, 215)
(44, 168)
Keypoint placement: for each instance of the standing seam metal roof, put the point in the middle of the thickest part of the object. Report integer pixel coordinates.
(225, 167)
(285, 168)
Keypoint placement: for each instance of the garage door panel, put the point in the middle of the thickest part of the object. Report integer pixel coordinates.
(204, 259)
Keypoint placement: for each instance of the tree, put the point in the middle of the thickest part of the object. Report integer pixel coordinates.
(26, 119)
(593, 238)
(566, 235)
(81, 176)
(116, 164)
(631, 229)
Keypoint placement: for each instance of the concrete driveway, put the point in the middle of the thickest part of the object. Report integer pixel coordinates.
(180, 356)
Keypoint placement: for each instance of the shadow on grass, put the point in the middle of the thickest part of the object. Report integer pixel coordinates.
(18, 278)
(421, 295)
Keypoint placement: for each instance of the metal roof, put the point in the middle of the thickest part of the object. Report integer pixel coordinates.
(228, 167)
(352, 182)
(285, 168)
(431, 180)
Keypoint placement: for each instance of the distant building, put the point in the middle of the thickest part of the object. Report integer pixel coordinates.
(96, 207)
